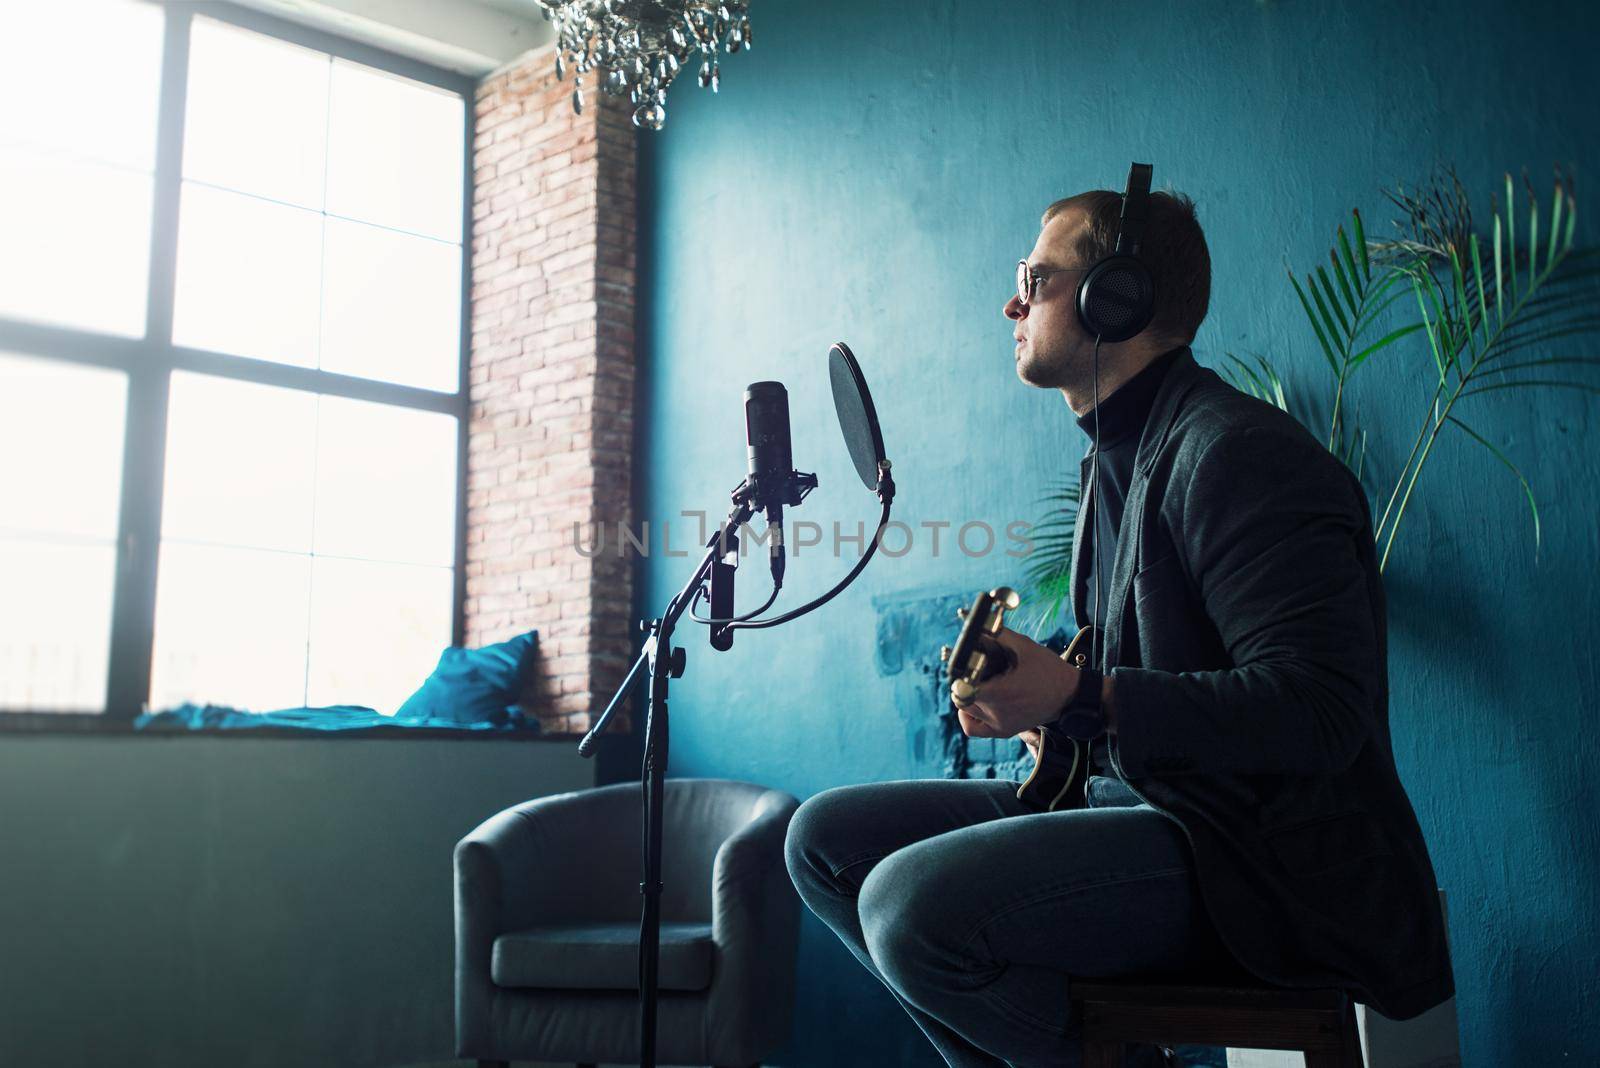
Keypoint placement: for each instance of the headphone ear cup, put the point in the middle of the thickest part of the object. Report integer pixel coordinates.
(1116, 298)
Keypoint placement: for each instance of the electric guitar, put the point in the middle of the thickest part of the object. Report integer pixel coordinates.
(1061, 766)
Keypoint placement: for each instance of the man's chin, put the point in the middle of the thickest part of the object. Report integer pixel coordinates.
(1034, 375)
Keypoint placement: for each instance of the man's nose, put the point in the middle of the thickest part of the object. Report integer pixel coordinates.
(1015, 309)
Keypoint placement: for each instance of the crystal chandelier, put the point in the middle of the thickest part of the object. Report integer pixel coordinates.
(637, 47)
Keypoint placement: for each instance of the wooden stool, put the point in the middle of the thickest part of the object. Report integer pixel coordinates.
(1319, 1023)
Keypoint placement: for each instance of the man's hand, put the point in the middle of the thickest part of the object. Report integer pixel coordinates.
(1029, 695)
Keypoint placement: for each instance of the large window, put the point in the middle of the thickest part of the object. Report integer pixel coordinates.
(231, 351)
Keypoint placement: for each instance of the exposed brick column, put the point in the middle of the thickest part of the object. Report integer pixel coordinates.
(551, 383)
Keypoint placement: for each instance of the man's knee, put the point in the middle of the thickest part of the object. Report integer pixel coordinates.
(886, 924)
(814, 832)
(907, 920)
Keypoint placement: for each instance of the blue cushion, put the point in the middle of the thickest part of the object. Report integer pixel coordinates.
(475, 685)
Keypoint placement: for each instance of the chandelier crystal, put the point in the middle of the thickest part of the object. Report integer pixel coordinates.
(637, 47)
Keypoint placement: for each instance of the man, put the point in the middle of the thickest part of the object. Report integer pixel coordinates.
(1244, 817)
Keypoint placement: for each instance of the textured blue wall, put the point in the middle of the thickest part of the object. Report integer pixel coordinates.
(873, 170)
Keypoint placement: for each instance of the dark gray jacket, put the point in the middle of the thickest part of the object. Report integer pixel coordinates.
(1246, 629)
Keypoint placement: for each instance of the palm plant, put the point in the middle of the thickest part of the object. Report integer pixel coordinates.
(1482, 308)
(1538, 296)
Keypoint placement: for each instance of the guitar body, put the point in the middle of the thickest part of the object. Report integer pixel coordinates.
(1061, 769)
(1061, 766)
(1059, 773)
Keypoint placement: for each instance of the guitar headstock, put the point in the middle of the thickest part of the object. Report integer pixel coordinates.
(977, 655)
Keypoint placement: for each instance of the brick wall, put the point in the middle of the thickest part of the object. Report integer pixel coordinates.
(551, 381)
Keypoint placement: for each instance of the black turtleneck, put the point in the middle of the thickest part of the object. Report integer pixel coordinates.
(1122, 418)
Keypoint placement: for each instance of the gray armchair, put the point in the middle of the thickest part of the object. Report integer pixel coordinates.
(547, 928)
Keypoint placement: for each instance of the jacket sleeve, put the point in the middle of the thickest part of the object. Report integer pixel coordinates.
(1270, 528)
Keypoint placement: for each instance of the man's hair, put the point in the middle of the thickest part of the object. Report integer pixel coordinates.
(1173, 248)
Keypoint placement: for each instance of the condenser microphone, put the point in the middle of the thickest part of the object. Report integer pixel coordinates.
(767, 449)
(770, 463)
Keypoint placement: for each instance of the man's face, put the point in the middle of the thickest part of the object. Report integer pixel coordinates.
(1052, 345)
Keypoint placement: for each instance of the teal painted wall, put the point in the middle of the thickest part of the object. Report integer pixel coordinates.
(872, 171)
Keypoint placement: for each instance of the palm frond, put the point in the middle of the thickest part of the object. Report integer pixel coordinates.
(1316, 324)
(1384, 342)
(1543, 292)
(1527, 490)
(1261, 381)
(1435, 217)
(1048, 572)
(1345, 300)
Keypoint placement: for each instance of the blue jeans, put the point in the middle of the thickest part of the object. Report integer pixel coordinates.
(976, 912)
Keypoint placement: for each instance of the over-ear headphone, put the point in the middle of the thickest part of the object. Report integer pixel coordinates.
(1115, 301)
(1117, 296)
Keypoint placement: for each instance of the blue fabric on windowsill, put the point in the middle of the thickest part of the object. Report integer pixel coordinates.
(343, 718)
(469, 689)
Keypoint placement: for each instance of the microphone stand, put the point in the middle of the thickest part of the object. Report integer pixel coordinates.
(666, 663)
(860, 425)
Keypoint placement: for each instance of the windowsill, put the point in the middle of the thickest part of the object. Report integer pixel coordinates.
(59, 723)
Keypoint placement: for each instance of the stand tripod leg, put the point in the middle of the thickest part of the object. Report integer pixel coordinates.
(655, 770)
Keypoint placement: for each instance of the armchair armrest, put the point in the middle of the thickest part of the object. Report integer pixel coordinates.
(749, 864)
(755, 925)
(573, 856)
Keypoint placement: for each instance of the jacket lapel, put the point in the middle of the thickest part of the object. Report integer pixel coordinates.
(1163, 411)
(1181, 377)
(1080, 606)
(1122, 565)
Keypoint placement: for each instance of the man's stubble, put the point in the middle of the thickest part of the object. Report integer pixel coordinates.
(1060, 367)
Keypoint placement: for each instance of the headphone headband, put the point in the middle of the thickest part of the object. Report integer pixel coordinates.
(1135, 207)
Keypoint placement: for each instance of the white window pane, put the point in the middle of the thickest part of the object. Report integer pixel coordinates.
(60, 448)
(376, 631)
(82, 77)
(230, 628)
(240, 460)
(249, 276)
(386, 483)
(55, 625)
(257, 114)
(395, 152)
(393, 307)
(74, 242)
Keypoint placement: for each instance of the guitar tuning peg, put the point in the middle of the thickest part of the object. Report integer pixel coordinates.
(944, 654)
(1008, 597)
(961, 614)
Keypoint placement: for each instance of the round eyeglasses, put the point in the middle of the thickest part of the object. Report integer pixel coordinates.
(1029, 280)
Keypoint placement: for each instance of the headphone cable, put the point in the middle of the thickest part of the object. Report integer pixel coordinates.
(1098, 503)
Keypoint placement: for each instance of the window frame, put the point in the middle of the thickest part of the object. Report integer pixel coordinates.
(149, 362)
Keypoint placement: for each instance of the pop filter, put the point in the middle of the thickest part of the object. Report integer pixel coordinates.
(857, 418)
